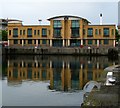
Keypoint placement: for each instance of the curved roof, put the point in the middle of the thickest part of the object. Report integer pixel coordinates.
(69, 16)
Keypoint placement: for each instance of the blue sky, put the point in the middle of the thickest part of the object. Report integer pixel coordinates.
(29, 11)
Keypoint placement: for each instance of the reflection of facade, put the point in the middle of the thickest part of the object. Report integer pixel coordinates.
(64, 73)
(62, 31)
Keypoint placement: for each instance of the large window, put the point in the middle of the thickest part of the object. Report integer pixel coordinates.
(15, 41)
(9, 32)
(90, 32)
(29, 41)
(29, 32)
(15, 32)
(96, 31)
(106, 41)
(44, 32)
(75, 23)
(75, 32)
(106, 31)
(57, 32)
(90, 42)
(57, 24)
(44, 41)
(75, 28)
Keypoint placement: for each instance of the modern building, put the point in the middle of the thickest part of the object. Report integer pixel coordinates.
(63, 31)
(3, 24)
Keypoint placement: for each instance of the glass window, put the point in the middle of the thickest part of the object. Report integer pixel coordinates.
(20, 32)
(23, 32)
(57, 24)
(34, 32)
(9, 32)
(20, 41)
(15, 41)
(75, 23)
(90, 32)
(29, 41)
(75, 32)
(106, 41)
(44, 41)
(99, 31)
(96, 31)
(38, 32)
(106, 31)
(15, 32)
(44, 32)
(57, 32)
(90, 42)
(29, 32)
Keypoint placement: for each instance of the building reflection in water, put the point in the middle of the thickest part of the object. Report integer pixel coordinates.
(65, 73)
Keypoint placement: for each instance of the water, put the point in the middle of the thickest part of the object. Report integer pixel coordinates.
(49, 80)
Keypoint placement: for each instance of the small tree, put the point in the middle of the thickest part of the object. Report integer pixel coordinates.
(4, 35)
(117, 35)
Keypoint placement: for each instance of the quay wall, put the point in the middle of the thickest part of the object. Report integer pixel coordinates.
(57, 51)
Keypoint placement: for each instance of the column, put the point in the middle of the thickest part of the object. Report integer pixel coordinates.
(8, 42)
(50, 42)
(63, 42)
(98, 43)
(97, 65)
(8, 63)
(22, 63)
(36, 42)
(63, 65)
(50, 64)
(22, 42)
(68, 42)
(68, 65)
(81, 41)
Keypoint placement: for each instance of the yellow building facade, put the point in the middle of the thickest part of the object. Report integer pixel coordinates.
(63, 31)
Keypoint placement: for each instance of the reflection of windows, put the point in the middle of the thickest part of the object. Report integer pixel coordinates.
(15, 73)
(90, 75)
(57, 64)
(90, 66)
(29, 64)
(44, 74)
(15, 64)
(29, 75)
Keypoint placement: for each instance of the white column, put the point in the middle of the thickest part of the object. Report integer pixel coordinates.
(63, 42)
(36, 42)
(97, 65)
(8, 42)
(68, 42)
(8, 63)
(50, 64)
(98, 43)
(114, 43)
(81, 41)
(81, 66)
(68, 65)
(22, 42)
(50, 42)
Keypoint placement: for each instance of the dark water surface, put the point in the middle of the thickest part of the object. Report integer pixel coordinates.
(49, 80)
